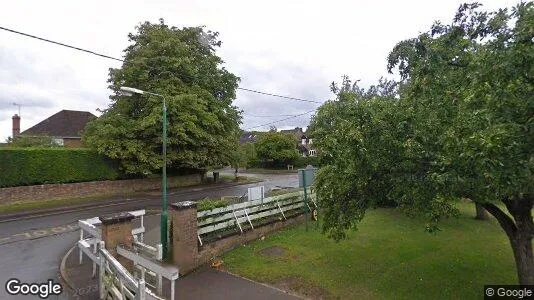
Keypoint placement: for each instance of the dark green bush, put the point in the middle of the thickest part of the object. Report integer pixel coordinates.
(28, 166)
(209, 204)
(302, 162)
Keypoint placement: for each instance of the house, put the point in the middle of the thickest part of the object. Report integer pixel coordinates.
(304, 143)
(305, 146)
(65, 127)
(248, 137)
(297, 133)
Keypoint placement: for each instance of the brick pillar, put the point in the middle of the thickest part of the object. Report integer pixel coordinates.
(184, 236)
(117, 230)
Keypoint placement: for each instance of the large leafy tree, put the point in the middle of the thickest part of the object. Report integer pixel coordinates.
(243, 156)
(461, 126)
(180, 64)
(276, 148)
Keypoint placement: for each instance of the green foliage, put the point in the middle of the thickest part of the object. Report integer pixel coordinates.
(209, 204)
(460, 126)
(58, 165)
(180, 64)
(277, 148)
(308, 160)
(390, 257)
(243, 156)
(22, 141)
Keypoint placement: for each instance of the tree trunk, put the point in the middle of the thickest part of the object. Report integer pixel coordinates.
(481, 213)
(520, 232)
(524, 260)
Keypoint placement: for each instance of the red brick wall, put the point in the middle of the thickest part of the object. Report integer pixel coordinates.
(188, 255)
(92, 188)
(213, 249)
(73, 143)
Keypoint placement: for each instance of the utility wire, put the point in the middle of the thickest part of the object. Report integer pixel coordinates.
(273, 116)
(118, 59)
(280, 96)
(58, 43)
(278, 121)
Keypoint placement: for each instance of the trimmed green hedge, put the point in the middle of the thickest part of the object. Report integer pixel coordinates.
(28, 166)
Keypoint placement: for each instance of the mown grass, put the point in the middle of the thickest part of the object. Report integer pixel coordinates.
(389, 257)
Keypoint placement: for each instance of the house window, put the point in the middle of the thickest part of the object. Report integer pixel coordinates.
(312, 152)
(57, 141)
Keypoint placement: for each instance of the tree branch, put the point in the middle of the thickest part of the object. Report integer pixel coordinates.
(506, 222)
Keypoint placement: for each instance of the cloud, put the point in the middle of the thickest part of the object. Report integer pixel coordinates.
(293, 48)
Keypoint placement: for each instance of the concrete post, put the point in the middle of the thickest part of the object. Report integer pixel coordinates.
(117, 230)
(184, 236)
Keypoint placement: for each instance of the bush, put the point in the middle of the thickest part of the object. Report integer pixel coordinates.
(302, 162)
(209, 204)
(28, 166)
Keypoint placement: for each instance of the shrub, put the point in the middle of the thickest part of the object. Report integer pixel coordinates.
(302, 162)
(28, 166)
(209, 204)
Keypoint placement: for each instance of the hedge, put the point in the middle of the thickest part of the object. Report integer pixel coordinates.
(29, 166)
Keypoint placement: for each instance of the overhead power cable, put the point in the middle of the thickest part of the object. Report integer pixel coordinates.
(118, 59)
(60, 44)
(278, 121)
(272, 116)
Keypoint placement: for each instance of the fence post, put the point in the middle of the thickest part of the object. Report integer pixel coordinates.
(102, 273)
(117, 230)
(185, 235)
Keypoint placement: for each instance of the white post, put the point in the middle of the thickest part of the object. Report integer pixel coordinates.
(94, 262)
(101, 277)
(142, 233)
(160, 252)
(173, 282)
(141, 294)
(160, 285)
(80, 250)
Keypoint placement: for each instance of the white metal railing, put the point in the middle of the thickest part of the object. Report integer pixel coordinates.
(116, 282)
(152, 267)
(237, 214)
(89, 226)
(120, 283)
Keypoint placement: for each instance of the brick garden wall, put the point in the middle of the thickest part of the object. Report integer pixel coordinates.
(92, 188)
(210, 250)
(186, 252)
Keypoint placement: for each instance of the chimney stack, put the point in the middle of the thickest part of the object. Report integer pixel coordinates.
(16, 125)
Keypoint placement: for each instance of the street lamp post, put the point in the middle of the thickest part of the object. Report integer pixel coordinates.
(164, 233)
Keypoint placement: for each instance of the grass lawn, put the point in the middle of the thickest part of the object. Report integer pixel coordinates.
(390, 256)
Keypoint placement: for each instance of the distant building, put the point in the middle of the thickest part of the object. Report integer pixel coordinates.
(65, 127)
(303, 141)
(248, 137)
(297, 133)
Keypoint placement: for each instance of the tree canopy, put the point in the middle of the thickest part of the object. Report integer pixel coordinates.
(276, 147)
(180, 64)
(459, 124)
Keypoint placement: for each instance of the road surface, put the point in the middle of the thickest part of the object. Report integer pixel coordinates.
(31, 248)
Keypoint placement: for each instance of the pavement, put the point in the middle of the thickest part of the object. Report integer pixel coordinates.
(205, 283)
(33, 245)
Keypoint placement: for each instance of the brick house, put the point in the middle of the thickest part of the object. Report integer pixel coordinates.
(65, 127)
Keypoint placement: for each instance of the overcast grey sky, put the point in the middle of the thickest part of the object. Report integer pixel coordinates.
(293, 48)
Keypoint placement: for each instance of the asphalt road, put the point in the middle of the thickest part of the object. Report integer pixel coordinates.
(31, 248)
